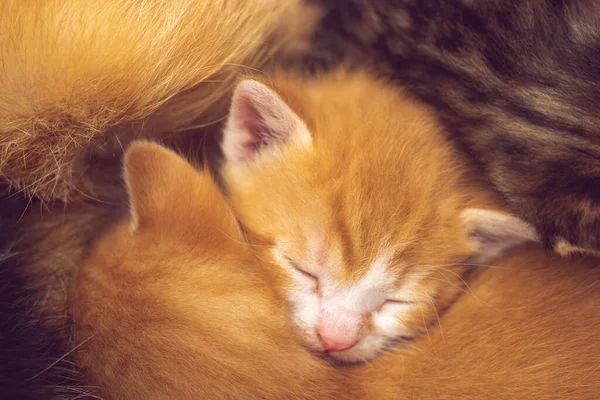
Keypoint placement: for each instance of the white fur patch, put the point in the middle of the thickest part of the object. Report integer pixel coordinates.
(363, 296)
(389, 321)
(301, 297)
(350, 302)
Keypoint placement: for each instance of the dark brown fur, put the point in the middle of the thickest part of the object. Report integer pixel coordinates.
(516, 83)
(41, 252)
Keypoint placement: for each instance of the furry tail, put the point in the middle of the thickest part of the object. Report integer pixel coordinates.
(73, 72)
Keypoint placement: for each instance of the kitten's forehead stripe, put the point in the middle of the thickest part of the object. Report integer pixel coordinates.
(345, 238)
(319, 251)
(322, 255)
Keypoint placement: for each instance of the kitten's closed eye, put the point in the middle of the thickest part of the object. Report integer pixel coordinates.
(395, 302)
(303, 272)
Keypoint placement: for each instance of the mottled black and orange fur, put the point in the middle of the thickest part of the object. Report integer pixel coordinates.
(516, 83)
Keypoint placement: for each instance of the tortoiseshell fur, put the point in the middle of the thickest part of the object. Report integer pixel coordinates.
(516, 83)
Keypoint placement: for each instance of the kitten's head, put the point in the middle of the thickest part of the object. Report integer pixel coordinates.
(353, 191)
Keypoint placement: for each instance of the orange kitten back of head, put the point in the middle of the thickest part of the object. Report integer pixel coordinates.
(169, 305)
(351, 187)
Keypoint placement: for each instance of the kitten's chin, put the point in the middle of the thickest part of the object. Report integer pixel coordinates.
(343, 358)
(352, 356)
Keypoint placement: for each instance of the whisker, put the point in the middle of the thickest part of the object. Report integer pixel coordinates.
(200, 126)
(245, 241)
(459, 264)
(588, 375)
(438, 268)
(437, 314)
(425, 326)
(469, 292)
(403, 346)
(469, 265)
(61, 358)
(453, 285)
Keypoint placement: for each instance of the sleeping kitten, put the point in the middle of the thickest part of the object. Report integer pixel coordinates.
(171, 304)
(352, 189)
(516, 83)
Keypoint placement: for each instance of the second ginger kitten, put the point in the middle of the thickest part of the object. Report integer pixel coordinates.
(352, 189)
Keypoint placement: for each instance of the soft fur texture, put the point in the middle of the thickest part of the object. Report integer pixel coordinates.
(355, 192)
(78, 81)
(516, 83)
(31, 350)
(171, 304)
(32, 342)
(524, 329)
(42, 251)
(84, 77)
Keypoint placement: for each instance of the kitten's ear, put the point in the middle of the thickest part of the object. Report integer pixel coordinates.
(152, 175)
(492, 232)
(260, 120)
(168, 195)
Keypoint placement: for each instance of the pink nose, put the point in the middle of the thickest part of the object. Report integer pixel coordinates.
(338, 331)
(333, 342)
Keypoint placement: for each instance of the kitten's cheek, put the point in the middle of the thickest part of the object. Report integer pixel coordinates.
(305, 308)
(308, 339)
(397, 324)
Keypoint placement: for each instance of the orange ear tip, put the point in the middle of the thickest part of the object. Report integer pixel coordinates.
(141, 148)
(145, 155)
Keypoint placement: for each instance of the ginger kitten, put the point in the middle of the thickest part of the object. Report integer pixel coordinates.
(352, 189)
(171, 304)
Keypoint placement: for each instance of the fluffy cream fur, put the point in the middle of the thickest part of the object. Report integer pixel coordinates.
(75, 75)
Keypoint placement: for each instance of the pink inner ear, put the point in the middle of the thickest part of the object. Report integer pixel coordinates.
(253, 130)
(258, 119)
